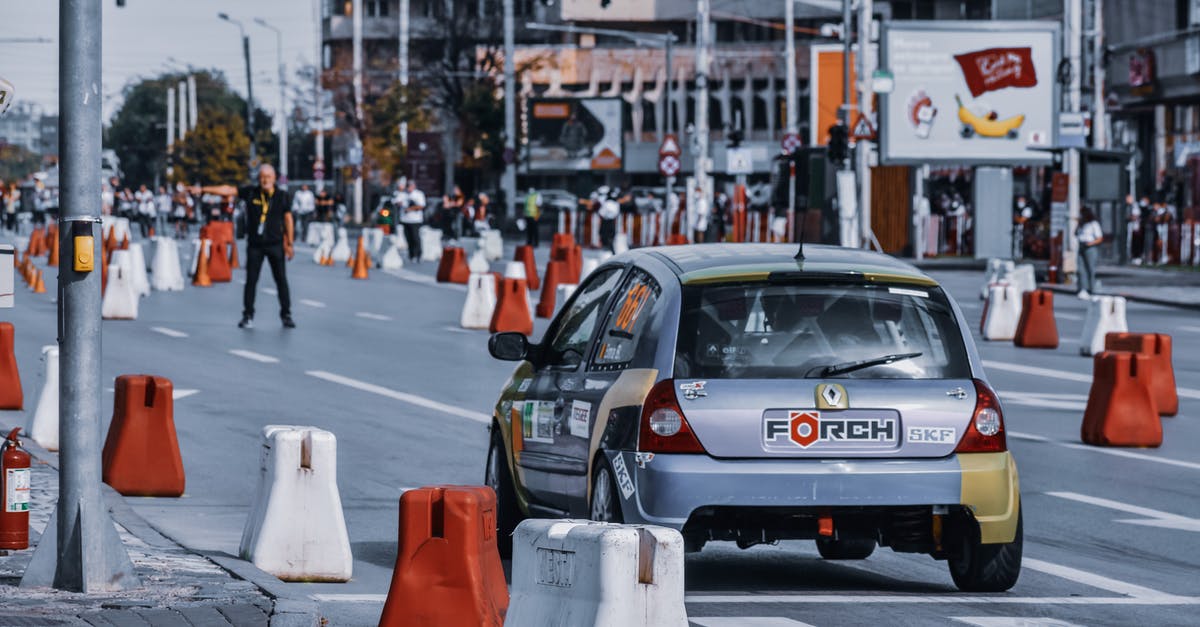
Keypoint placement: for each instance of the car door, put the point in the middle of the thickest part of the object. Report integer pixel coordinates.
(548, 467)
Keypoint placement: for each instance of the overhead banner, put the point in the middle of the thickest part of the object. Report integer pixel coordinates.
(575, 135)
(965, 94)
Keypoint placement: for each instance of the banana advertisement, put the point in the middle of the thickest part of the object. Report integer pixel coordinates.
(969, 93)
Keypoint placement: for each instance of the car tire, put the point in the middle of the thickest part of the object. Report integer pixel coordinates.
(499, 479)
(847, 549)
(604, 506)
(987, 567)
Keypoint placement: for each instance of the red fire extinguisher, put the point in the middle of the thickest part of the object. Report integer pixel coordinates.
(14, 490)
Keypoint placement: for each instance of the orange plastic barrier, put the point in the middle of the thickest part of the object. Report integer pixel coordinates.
(453, 267)
(1037, 328)
(11, 396)
(677, 239)
(556, 272)
(218, 264)
(445, 263)
(221, 234)
(525, 254)
(448, 571)
(1162, 373)
(1120, 409)
(512, 308)
(562, 240)
(141, 453)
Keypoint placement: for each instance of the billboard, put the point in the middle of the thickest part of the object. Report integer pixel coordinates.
(574, 135)
(825, 90)
(969, 92)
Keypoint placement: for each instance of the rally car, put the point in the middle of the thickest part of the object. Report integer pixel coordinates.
(746, 393)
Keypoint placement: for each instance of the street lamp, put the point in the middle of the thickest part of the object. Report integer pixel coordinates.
(283, 120)
(249, 83)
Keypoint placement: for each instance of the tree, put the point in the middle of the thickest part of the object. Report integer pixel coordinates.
(138, 130)
(217, 152)
(17, 162)
(382, 147)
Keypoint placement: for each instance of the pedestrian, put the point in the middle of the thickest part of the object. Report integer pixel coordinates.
(481, 214)
(181, 210)
(269, 235)
(8, 204)
(610, 210)
(466, 218)
(145, 209)
(304, 204)
(162, 210)
(451, 210)
(1090, 236)
(533, 214)
(412, 216)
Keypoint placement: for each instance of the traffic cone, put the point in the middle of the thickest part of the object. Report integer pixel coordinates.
(31, 245)
(110, 242)
(233, 255)
(151, 233)
(525, 255)
(358, 252)
(201, 279)
(103, 277)
(39, 287)
(125, 242)
(52, 260)
(361, 261)
(556, 272)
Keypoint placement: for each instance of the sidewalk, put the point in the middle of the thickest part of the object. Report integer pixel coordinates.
(178, 588)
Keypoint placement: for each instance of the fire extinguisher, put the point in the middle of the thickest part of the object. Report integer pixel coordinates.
(14, 488)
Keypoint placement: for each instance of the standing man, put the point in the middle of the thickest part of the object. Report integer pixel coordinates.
(304, 204)
(145, 209)
(410, 203)
(533, 213)
(162, 211)
(269, 235)
(610, 210)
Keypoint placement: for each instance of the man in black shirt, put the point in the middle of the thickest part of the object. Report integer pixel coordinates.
(269, 233)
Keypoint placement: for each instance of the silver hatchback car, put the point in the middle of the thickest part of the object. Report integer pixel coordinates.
(740, 393)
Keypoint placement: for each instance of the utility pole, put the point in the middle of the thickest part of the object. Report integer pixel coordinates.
(193, 113)
(849, 233)
(703, 60)
(183, 109)
(249, 84)
(283, 117)
(403, 67)
(1073, 36)
(865, 60)
(668, 111)
(1099, 106)
(357, 7)
(318, 109)
(79, 549)
(170, 118)
(793, 107)
(509, 180)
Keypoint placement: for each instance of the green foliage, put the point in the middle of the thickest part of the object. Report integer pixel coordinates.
(17, 162)
(217, 152)
(381, 146)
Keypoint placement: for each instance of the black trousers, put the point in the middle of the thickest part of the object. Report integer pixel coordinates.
(608, 233)
(412, 237)
(532, 235)
(273, 253)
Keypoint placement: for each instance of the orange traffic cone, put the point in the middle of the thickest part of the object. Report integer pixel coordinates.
(34, 238)
(201, 279)
(125, 242)
(39, 286)
(151, 233)
(233, 258)
(52, 260)
(103, 278)
(111, 241)
(360, 260)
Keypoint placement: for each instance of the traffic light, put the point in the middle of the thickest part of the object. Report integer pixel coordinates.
(839, 143)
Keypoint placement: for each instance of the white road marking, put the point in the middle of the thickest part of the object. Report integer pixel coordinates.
(271, 291)
(1072, 402)
(1154, 518)
(462, 330)
(372, 316)
(168, 332)
(253, 356)
(348, 598)
(748, 621)
(1116, 452)
(1091, 579)
(947, 599)
(178, 394)
(1067, 316)
(423, 279)
(1190, 328)
(312, 303)
(412, 399)
(1013, 621)
(1066, 376)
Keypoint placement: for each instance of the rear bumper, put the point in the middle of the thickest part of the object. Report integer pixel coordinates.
(669, 488)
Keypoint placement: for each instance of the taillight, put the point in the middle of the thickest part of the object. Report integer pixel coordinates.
(663, 428)
(985, 433)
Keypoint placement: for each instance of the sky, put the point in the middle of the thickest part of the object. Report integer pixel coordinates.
(150, 37)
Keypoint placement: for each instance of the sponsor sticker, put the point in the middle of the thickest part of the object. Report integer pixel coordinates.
(524, 387)
(932, 435)
(16, 493)
(624, 482)
(581, 413)
(693, 390)
(802, 429)
(537, 421)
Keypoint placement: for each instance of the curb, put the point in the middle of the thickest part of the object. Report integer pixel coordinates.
(1149, 300)
(288, 610)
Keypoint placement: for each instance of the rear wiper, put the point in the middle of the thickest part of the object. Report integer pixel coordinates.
(851, 366)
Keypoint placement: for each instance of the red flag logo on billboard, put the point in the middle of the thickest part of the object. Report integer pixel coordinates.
(997, 68)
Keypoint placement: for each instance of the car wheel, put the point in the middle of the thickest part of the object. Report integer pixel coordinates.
(604, 506)
(987, 567)
(848, 549)
(508, 512)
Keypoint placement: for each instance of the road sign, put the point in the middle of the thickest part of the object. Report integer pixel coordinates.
(863, 129)
(319, 175)
(883, 82)
(670, 146)
(669, 165)
(739, 161)
(319, 169)
(791, 141)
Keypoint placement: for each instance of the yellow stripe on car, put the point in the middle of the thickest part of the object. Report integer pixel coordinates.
(991, 489)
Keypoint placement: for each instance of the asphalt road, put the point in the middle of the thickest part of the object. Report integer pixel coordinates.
(1111, 535)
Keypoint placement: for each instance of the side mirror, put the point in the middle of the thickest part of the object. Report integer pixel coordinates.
(509, 346)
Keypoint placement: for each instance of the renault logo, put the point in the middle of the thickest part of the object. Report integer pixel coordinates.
(832, 396)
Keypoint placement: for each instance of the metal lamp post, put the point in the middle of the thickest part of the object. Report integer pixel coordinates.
(283, 120)
(249, 83)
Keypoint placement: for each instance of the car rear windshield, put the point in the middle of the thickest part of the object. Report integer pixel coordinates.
(805, 330)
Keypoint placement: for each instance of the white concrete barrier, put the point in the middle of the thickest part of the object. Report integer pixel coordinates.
(480, 303)
(391, 258)
(996, 270)
(324, 249)
(478, 262)
(341, 249)
(1023, 278)
(431, 244)
(120, 301)
(564, 292)
(319, 232)
(620, 243)
(296, 529)
(492, 244)
(43, 423)
(119, 226)
(195, 257)
(1105, 314)
(1003, 312)
(589, 265)
(137, 263)
(574, 572)
(166, 273)
(373, 240)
